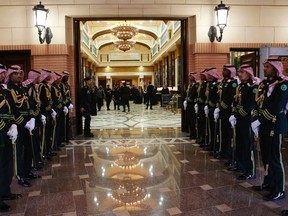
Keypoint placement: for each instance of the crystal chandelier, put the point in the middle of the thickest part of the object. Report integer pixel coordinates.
(127, 161)
(124, 45)
(129, 194)
(124, 31)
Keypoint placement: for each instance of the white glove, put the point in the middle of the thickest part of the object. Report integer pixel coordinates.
(232, 120)
(43, 119)
(196, 108)
(65, 110)
(13, 132)
(70, 107)
(30, 125)
(185, 105)
(53, 114)
(255, 127)
(216, 114)
(206, 110)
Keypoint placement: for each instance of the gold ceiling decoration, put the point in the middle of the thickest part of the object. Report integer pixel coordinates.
(124, 31)
(124, 45)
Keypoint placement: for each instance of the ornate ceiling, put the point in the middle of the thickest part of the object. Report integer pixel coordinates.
(99, 38)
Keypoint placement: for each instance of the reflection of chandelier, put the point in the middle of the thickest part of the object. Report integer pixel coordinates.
(124, 31)
(124, 45)
(129, 193)
(127, 161)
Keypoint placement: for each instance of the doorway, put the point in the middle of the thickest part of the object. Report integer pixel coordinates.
(104, 59)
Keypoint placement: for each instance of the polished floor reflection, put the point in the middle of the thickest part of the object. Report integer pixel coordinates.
(151, 169)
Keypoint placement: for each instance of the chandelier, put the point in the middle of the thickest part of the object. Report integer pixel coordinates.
(124, 31)
(127, 161)
(124, 45)
(129, 194)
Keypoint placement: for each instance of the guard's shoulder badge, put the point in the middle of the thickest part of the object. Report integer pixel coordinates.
(254, 90)
(283, 87)
(234, 85)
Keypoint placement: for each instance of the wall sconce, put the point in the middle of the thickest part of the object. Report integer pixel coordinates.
(40, 15)
(222, 14)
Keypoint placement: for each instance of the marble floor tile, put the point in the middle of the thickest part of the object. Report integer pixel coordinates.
(139, 164)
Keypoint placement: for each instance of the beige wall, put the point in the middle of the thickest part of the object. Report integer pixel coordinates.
(261, 21)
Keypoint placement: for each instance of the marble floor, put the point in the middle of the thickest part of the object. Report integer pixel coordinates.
(139, 164)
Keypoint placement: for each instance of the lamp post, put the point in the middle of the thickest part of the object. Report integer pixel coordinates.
(40, 15)
(222, 14)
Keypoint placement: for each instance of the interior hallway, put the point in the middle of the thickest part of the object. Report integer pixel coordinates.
(139, 163)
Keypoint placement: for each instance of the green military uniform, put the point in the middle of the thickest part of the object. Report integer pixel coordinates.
(227, 90)
(201, 115)
(243, 104)
(57, 105)
(271, 102)
(46, 110)
(191, 97)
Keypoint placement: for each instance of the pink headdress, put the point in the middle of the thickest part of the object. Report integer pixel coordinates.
(248, 69)
(3, 68)
(277, 64)
(194, 74)
(44, 74)
(55, 76)
(65, 73)
(232, 70)
(12, 69)
(213, 72)
(32, 75)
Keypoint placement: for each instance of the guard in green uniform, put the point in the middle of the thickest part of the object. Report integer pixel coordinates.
(67, 101)
(211, 103)
(8, 135)
(241, 120)
(47, 113)
(226, 92)
(34, 111)
(270, 124)
(60, 109)
(189, 103)
(199, 109)
(25, 123)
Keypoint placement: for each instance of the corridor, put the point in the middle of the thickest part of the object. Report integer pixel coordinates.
(139, 163)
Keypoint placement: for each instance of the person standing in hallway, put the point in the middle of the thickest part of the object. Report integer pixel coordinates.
(85, 105)
(8, 135)
(150, 95)
(270, 125)
(164, 91)
(108, 96)
(125, 95)
(100, 95)
(116, 97)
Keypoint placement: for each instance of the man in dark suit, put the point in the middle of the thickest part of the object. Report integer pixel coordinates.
(125, 94)
(150, 95)
(85, 105)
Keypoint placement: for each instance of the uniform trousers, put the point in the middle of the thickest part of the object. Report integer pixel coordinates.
(245, 148)
(6, 166)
